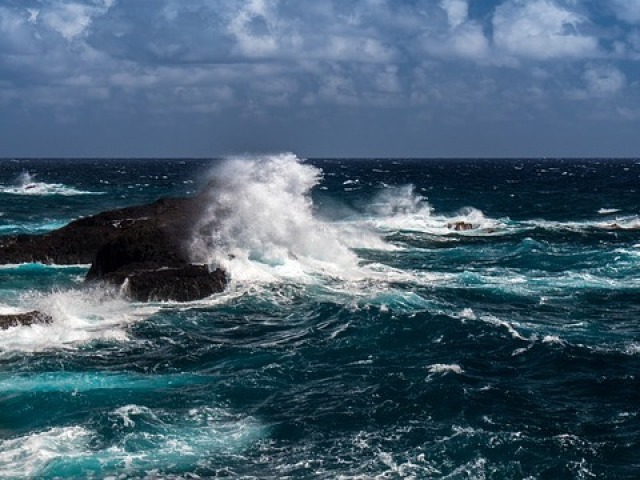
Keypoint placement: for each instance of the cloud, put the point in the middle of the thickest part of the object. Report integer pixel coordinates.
(598, 82)
(254, 29)
(627, 10)
(604, 80)
(218, 60)
(457, 11)
(72, 19)
(460, 38)
(541, 30)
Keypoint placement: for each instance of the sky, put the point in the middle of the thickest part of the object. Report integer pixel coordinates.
(320, 78)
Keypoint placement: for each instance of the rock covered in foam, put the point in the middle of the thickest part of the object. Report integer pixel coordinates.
(27, 318)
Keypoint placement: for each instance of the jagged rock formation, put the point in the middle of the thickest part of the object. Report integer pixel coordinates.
(142, 248)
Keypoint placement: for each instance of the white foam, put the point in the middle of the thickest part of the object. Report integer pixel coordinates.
(27, 456)
(150, 439)
(628, 222)
(607, 211)
(446, 368)
(43, 266)
(401, 209)
(27, 185)
(78, 317)
(260, 223)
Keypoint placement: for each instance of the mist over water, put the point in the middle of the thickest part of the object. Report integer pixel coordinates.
(385, 319)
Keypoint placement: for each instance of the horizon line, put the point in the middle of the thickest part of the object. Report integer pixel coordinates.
(316, 157)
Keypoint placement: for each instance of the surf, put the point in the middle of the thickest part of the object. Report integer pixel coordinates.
(26, 184)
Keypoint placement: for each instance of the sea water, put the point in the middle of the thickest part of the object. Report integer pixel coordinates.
(384, 319)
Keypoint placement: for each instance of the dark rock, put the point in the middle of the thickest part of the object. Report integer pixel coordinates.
(142, 248)
(460, 226)
(28, 318)
(181, 284)
(79, 241)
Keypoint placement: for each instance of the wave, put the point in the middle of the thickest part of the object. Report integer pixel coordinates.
(146, 438)
(31, 228)
(78, 317)
(621, 223)
(260, 223)
(87, 381)
(26, 184)
(608, 211)
(399, 209)
(41, 267)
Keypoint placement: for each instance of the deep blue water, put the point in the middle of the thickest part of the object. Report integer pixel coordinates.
(362, 336)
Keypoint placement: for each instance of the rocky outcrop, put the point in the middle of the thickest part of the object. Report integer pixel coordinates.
(142, 248)
(180, 284)
(79, 241)
(27, 318)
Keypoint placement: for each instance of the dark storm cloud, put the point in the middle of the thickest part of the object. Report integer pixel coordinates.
(360, 77)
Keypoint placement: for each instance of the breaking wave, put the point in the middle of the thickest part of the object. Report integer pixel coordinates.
(26, 184)
(147, 438)
(261, 224)
(77, 317)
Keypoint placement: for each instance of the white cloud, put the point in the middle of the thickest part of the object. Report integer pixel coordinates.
(72, 19)
(457, 11)
(469, 41)
(603, 81)
(542, 30)
(627, 10)
(253, 27)
(464, 38)
(33, 15)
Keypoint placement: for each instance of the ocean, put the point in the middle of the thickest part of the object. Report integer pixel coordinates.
(385, 318)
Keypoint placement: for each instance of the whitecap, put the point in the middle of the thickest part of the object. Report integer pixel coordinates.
(260, 224)
(78, 317)
(607, 211)
(445, 368)
(148, 439)
(401, 209)
(26, 184)
(27, 456)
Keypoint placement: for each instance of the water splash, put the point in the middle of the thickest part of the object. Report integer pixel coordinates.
(260, 222)
(78, 317)
(26, 184)
(402, 209)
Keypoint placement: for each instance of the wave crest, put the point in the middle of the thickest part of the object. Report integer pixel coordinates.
(260, 222)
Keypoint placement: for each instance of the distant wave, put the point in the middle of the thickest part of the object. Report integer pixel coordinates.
(26, 184)
(30, 228)
(607, 211)
(629, 222)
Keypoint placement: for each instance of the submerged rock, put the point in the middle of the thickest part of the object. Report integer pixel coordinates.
(141, 247)
(460, 226)
(27, 318)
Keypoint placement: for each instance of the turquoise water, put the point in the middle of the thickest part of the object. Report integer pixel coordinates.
(361, 336)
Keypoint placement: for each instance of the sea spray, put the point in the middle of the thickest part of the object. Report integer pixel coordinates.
(402, 208)
(26, 184)
(260, 222)
(79, 317)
